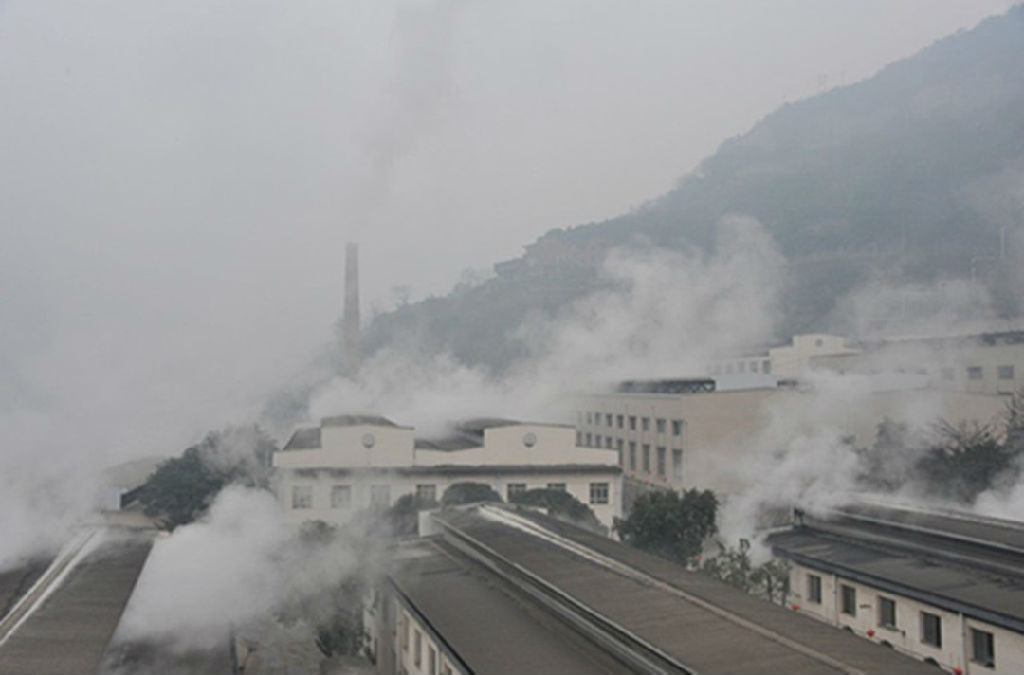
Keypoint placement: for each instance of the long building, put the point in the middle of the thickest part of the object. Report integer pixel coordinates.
(946, 587)
(685, 433)
(503, 590)
(353, 462)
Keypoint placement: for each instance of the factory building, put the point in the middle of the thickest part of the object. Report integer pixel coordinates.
(353, 462)
(494, 589)
(948, 588)
(685, 433)
(981, 358)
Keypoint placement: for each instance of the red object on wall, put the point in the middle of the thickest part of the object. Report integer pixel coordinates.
(795, 606)
(957, 670)
(871, 633)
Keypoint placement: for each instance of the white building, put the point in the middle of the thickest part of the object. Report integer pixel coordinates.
(353, 462)
(947, 590)
(784, 361)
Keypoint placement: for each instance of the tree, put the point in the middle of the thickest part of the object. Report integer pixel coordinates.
(560, 504)
(182, 488)
(734, 566)
(964, 462)
(403, 516)
(469, 493)
(670, 525)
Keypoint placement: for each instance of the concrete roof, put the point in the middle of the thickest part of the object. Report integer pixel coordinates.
(721, 630)
(355, 420)
(307, 438)
(70, 632)
(488, 626)
(968, 566)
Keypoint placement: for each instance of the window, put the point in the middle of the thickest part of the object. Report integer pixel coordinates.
(426, 493)
(659, 425)
(408, 631)
(661, 461)
(975, 373)
(619, 420)
(599, 493)
(446, 668)
(814, 589)
(753, 366)
(341, 496)
(886, 612)
(597, 418)
(556, 486)
(579, 438)
(632, 456)
(632, 422)
(1004, 372)
(608, 419)
(380, 495)
(590, 440)
(766, 366)
(677, 464)
(741, 367)
(948, 374)
(849, 600)
(515, 489)
(645, 423)
(677, 427)
(417, 649)
(432, 661)
(647, 457)
(983, 648)
(931, 629)
(302, 496)
(590, 418)
(609, 442)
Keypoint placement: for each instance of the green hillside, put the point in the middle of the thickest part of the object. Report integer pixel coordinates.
(909, 175)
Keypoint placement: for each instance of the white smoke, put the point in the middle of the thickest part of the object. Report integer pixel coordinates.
(240, 563)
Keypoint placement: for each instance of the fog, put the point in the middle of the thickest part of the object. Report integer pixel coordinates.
(178, 181)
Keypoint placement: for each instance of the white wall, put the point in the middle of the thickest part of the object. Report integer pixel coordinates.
(956, 649)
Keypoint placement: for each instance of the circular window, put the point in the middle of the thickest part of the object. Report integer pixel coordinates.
(369, 441)
(529, 439)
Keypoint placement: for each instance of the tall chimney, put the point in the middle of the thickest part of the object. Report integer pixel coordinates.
(350, 318)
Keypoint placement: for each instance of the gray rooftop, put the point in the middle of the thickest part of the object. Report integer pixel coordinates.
(708, 626)
(355, 420)
(467, 604)
(973, 567)
(307, 438)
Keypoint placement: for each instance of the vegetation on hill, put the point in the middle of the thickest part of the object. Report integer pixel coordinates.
(909, 176)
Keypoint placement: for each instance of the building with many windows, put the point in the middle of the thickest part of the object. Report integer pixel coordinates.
(683, 433)
(353, 462)
(948, 588)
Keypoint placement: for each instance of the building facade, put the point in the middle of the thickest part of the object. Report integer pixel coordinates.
(351, 463)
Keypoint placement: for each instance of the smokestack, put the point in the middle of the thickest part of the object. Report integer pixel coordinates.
(350, 318)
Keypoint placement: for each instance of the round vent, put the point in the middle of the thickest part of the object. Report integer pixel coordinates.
(369, 441)
(529, 439)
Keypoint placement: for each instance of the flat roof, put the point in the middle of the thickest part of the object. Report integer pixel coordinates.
(704, 623)
(488, 625)
(459, 469)
(354, 420)
(307, 438)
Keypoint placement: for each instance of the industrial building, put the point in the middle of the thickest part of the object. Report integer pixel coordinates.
(947, 587)
(981, 358)
(684, 433)
(494, 589)
(352, 462)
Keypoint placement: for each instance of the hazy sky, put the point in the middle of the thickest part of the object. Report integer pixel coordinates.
(178, 179)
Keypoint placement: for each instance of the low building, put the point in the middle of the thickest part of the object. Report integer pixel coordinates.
(791, 360)
(945, 588)
(506, 590)
(352, 462)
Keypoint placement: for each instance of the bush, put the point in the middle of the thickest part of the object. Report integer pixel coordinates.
(469, 493)
(559, 503)
(669, 525)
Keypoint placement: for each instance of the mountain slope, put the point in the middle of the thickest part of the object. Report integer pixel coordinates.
(910, 175)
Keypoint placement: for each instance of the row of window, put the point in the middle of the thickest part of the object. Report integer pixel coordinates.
(764, 365)
(380, 495)
(982, 641)
(619, 422)
(412, 637)
(978, 373)
(661, 455)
